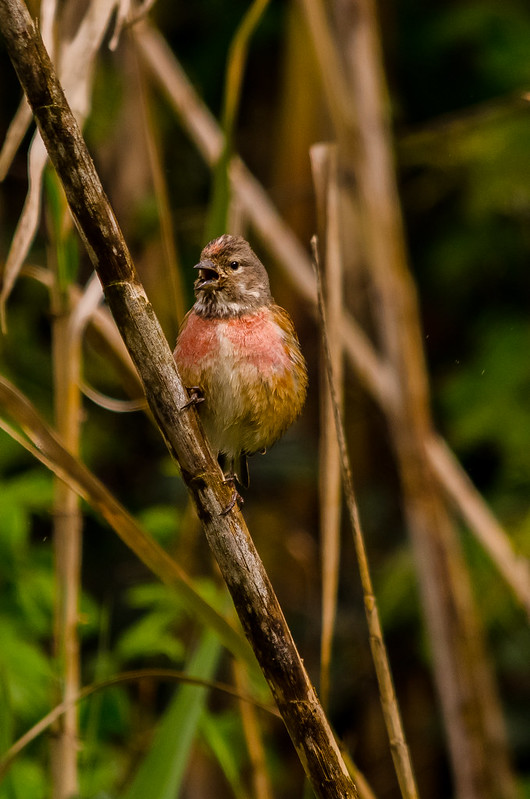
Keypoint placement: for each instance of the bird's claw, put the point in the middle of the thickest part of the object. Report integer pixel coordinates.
(196, 397)
(236, 496)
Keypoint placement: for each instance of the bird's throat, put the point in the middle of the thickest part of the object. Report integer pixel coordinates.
(219, 304)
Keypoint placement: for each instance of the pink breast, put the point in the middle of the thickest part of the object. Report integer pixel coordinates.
(255, 339)
(197, 340)
(258, 339)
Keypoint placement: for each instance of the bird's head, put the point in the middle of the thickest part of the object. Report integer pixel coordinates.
(232, 280)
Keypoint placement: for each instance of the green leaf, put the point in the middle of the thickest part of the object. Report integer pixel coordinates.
(151, 635)
(26, 778)
(64, 239)
(225, 740)
(26, 670)
(32, 490)
(161, 521)
(163, 769)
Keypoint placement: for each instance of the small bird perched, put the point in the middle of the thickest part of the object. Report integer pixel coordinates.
(239, 355)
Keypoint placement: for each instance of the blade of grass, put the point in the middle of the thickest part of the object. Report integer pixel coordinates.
(162, 771)
(223, 751)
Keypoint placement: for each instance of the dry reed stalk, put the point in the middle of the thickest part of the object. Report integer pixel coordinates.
(102, 329)
(67, 332)
(325, 175)
(172, 265)
(67, 551)
(220, 201)
(67, 525)
(23, 116)
(466, 687)
(478, 516)
(261, 787)
(226, 532)
(375, 374)
(389, 704)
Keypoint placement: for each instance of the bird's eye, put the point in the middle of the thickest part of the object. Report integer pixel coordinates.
(234, 264)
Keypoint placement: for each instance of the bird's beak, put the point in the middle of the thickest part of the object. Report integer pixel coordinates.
(208, 274)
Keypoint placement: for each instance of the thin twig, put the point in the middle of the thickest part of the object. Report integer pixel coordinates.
(396, 735)
(124, 678)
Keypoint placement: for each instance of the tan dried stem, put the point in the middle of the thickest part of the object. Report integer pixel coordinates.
(23, 116)
(104, 330)
(392, 716)
(325, 176)
(172, 265)
(75, 58)
(67, 331)
(261, 787)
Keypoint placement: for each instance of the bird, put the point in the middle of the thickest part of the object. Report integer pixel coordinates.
(238, 355)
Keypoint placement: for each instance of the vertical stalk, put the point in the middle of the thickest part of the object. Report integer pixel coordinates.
(325, 174)
(389, 704)
(261, 787)
(67, 549)
(160, 188)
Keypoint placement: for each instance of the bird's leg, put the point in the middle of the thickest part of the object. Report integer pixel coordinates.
(196, 397)
(230, 479)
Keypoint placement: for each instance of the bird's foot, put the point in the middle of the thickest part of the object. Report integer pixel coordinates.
(230, 479)
(196, 397)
